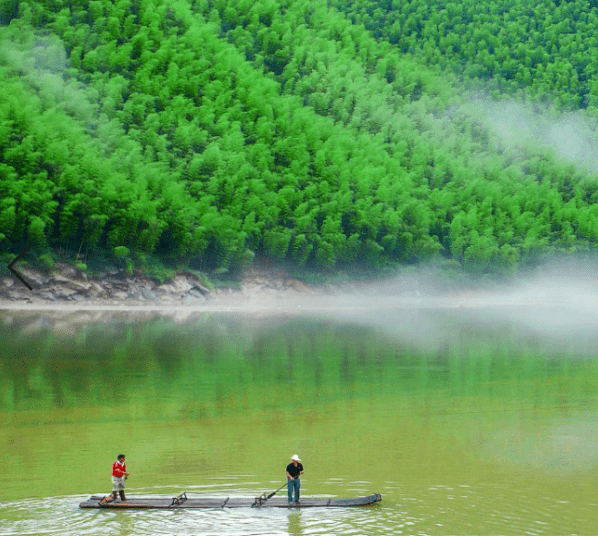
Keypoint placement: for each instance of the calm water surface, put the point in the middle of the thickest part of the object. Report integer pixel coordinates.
(464, 427)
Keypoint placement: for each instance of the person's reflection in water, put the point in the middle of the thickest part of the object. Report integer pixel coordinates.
(295, 523)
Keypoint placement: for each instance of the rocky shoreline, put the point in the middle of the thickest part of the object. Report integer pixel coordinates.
(66, 285)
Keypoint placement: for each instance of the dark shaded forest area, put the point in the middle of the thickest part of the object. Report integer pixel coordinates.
(323, 135)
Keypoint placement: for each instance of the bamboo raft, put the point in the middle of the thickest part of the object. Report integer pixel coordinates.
(182, 501)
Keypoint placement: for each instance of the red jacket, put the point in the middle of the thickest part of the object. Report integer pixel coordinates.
(118, 469)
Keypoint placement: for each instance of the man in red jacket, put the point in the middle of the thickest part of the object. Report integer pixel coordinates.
(119, 474)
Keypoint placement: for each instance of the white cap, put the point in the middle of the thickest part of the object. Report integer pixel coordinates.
(295, 457)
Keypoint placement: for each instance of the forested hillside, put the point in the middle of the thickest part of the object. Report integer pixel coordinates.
(208, 132)
(547, 49)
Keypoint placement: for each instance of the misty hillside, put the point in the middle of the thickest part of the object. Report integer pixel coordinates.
(378, 133)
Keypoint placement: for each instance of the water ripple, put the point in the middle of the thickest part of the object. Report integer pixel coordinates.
(432, 509)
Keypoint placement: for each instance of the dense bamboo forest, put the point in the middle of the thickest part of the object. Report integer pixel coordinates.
(324, 135)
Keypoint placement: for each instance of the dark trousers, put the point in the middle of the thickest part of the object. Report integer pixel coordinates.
(293, 485)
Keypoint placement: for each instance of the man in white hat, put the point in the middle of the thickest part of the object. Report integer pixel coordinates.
(294, 469)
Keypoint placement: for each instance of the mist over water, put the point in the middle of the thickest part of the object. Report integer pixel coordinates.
(556, 305)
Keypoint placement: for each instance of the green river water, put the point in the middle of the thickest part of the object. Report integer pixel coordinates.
(466, 423)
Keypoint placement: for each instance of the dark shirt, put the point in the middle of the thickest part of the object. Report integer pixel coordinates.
(294, 470)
